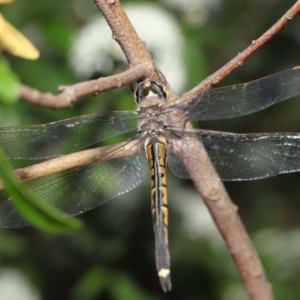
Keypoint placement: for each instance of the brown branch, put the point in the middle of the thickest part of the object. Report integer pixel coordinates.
(76, 160)
(241, 57)
(123, 32)
(224, 212)
(213, 192)
(69, 94)
(125, 35)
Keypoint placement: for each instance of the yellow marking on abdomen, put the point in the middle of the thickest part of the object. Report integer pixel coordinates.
(163, 273)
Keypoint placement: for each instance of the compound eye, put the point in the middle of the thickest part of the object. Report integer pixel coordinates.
(141, 92)
(163, 92)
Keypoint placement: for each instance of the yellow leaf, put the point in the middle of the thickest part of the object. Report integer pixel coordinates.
(15, 42)
(6, 1)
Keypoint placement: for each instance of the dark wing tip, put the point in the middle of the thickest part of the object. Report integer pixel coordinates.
(165, 279)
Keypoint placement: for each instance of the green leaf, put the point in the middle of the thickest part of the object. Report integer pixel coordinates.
(33, 209)
(9, 83)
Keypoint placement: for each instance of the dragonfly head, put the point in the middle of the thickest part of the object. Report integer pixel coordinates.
(150, 89)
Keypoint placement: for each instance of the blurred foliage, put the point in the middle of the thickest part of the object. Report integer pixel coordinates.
(9, 83)
(113, 255)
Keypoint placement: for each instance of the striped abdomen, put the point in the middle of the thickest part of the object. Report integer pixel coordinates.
(156, 151)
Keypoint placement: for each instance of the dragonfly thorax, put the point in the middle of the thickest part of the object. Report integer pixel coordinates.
(152, 127)
(151, 119)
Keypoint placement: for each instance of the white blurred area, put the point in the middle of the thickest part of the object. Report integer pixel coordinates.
(15, 286)
(197, 222)
(94, 50)
(282, 249)
(194, 12)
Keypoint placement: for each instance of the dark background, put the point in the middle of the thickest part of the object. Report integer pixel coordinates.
(113, 256)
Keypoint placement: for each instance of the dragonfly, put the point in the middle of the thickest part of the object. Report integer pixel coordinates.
(156, 127)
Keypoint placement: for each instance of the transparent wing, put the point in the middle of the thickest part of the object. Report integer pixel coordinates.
(240, 156)
(66, 136)
(81, 190)
(238, 100)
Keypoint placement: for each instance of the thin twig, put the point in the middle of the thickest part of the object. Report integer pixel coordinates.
(69, 94)
(242, 56)
(76, 160)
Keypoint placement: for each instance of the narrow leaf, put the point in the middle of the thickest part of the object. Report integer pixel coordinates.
(33, 209)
